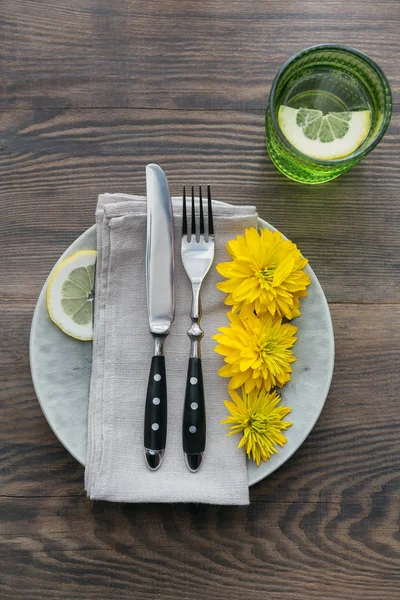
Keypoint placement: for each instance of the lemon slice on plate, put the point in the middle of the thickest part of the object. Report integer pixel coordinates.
(70, 297)
(324, 136)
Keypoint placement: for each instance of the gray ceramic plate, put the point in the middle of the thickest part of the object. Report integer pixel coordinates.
(61, 368)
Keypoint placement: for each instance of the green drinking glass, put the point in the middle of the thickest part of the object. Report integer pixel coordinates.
(329, 106)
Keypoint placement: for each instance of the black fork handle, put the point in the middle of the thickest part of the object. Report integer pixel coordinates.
(194, 416)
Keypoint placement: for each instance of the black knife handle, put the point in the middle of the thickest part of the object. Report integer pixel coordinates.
(155, 420)
(194, 413)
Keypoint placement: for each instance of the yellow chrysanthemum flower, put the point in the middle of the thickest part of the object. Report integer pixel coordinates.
(265, 274)
(257, 351)
(260, 419)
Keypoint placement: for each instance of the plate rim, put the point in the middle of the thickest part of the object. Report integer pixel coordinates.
(263, 224)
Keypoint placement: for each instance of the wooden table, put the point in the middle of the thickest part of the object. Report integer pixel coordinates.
(91, 91)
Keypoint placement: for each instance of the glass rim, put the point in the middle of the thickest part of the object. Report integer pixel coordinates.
(372, 64)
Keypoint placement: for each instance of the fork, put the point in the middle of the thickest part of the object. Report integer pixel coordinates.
(197, 253)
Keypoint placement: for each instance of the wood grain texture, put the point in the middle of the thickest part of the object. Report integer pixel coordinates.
(90, 92)
(108, 552)
(176, 54)
(54, 163)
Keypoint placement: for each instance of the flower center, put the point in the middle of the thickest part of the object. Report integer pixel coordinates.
(266, 275)
(266, 349)
(258, 422)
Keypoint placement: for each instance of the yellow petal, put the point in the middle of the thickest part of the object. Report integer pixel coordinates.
(253, 241)
(227, 286)
(249, 385)
(282, 271)
(235, 397)
(238, 380)
(225, 371)
(246, 363)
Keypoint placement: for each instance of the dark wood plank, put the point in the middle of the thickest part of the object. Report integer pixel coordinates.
(175, 54)
(54, 164)
(66, 548)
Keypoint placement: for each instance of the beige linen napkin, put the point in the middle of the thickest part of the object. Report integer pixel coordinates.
(122, 351)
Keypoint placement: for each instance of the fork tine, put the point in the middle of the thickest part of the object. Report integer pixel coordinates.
(210, 215)
(201, 212)
(184, 220)
(193, 214)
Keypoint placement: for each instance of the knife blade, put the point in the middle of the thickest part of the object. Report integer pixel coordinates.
(160, 308)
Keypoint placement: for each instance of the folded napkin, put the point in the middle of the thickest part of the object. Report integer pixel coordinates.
(122, 351)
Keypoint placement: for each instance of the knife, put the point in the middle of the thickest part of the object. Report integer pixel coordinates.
(160, 308)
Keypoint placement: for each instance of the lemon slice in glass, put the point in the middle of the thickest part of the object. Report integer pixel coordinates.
(70, 295)
(324, 136)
